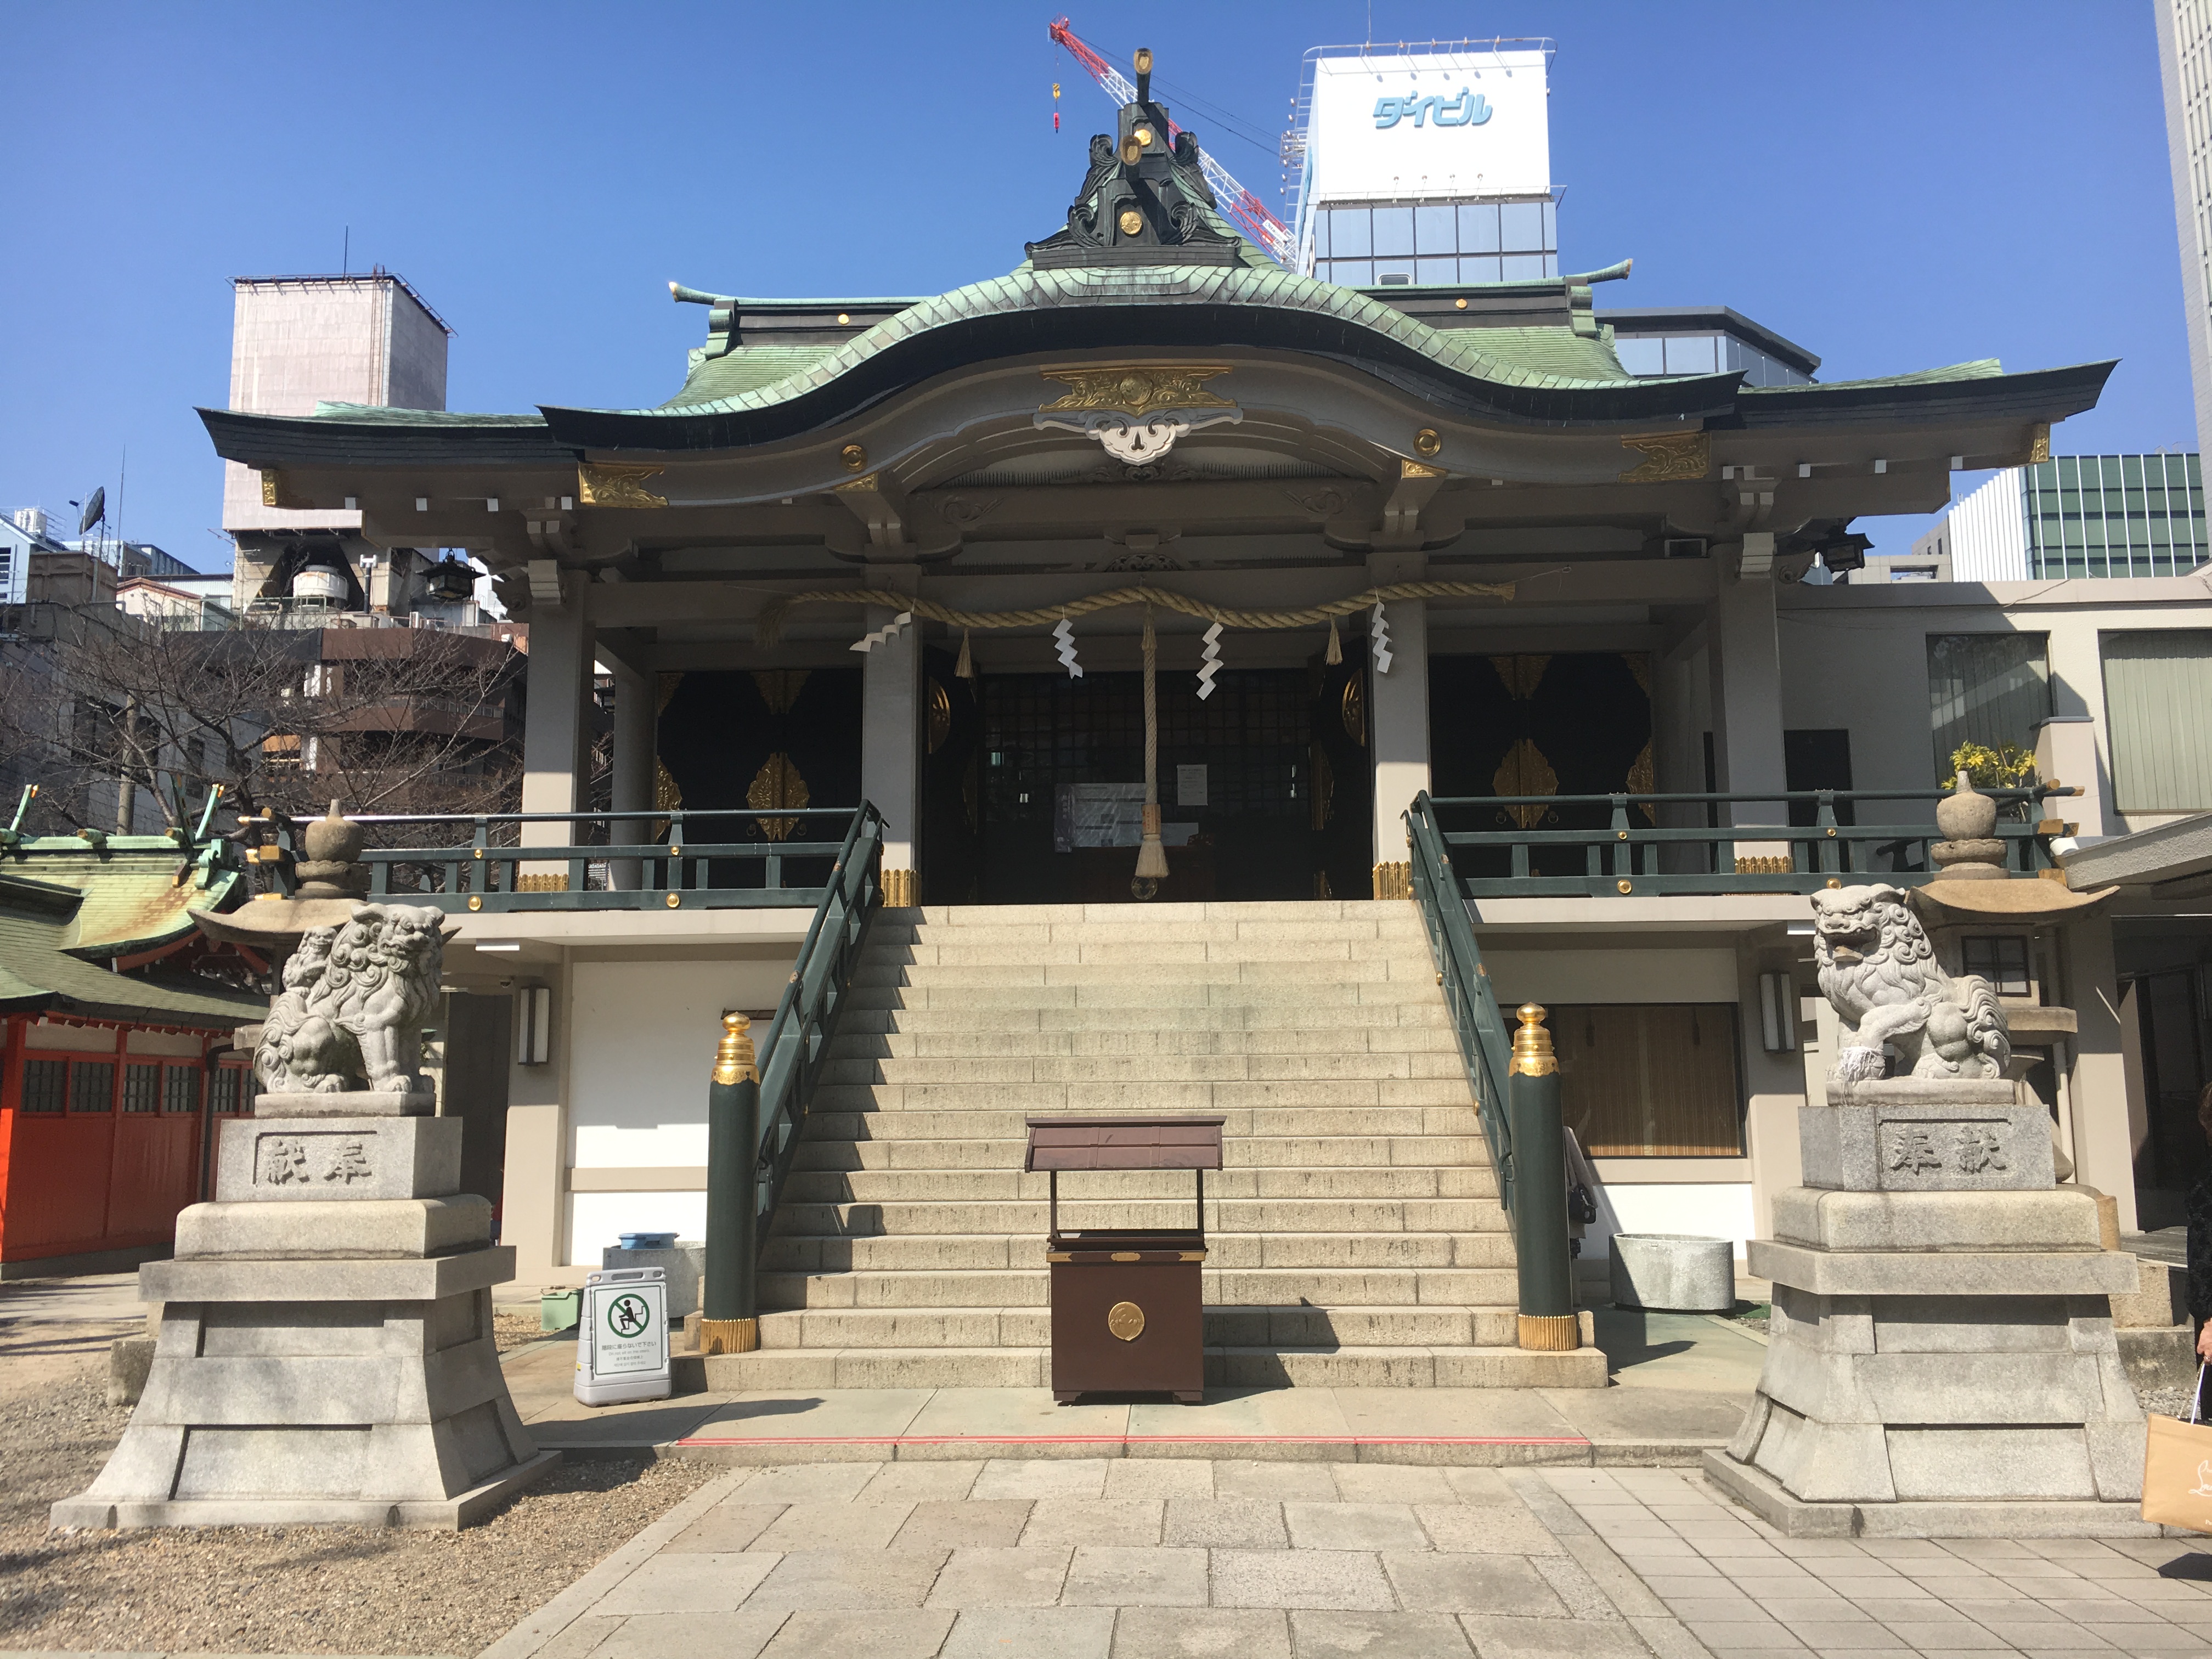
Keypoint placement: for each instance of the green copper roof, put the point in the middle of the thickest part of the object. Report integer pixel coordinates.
(38, 920)
(130, 895)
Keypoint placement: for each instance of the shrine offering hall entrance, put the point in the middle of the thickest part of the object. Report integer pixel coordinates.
(1264, 786)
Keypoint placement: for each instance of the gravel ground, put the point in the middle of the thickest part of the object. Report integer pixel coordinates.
(510, 1331)
(2166, 1402)
(293, 1589)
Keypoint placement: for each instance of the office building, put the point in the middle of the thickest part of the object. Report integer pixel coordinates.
(1425, 167)
(2075, 515)
(297, 343)
(2185, 64)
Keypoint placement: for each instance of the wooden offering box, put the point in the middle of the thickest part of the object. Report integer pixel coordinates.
(1126, 1313)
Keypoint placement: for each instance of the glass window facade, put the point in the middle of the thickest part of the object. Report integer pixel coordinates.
(1362, 245)
(1990, 689)
(1648, 355)
(2114, 515)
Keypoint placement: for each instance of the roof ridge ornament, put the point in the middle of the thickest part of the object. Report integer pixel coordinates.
(1144, 200)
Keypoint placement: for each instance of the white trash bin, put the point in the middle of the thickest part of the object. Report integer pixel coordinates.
(622, 1340)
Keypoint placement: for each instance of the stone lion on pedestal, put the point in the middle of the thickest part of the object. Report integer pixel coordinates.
(353, 1003)
(1878, 968)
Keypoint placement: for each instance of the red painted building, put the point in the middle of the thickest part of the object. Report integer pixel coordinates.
(116, 1062)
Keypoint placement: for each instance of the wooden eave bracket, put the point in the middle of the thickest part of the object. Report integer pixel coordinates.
(1413, 490)
(545, 588)
(889, 529)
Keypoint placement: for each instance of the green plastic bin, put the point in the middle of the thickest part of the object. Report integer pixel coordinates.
(559, 1310)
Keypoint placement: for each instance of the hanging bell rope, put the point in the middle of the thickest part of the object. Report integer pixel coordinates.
(768, 626)
(1151, 856)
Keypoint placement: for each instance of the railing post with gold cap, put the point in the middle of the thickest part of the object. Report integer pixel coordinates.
(1548, 1322)
(729, 1321)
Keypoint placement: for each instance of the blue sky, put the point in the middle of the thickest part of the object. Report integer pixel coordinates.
(1894, 186)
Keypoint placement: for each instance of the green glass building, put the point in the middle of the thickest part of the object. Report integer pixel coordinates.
(2114, 515)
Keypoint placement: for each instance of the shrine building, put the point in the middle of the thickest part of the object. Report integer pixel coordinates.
(1378, 543)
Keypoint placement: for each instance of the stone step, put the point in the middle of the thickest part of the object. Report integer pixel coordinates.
(882, 1011)
(1026, 1220)
(1491, 1285)
(955, 1253)
(941, 956)
(787, 1370)
(827, 1123)
(1210, 910)
(1131, 1186)
(1042, 1098)
(1012, 1327)
(1146, 1069)
(819, 1152)
(1275, 973)
(1126, 1041)
(1405, 931)
(1030, 1287)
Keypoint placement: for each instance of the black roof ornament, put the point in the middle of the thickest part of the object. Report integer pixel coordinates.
(1144, 200)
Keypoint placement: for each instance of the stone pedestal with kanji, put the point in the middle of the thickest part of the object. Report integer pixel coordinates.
(325, 1345)
(1941, 1361)
(1941, 1357)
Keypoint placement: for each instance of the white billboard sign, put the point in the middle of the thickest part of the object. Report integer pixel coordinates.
(1453, 123)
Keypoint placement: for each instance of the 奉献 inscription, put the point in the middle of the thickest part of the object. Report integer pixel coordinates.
(288, 1160)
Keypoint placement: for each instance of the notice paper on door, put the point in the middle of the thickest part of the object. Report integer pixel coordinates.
(1190, 785)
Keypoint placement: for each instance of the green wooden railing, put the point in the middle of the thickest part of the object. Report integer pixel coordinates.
(1530, 846)
(490, 870)
(752, 1127)
(1485, 1042)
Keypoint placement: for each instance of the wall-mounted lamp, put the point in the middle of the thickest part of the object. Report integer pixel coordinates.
(533, 1025)
(1778, 1012)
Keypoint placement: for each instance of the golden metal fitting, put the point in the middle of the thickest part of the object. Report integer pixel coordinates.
(1132, 222)
(1426, 443)
(1143, 60)
(734, 1060)
(1786, 865)
(676, 901)
(1624, 887)
(1551, 1333)
(899, 889)
(1532, 1052)
(1394, 880)
(854, 456)
(475, 901)
(728, 1335)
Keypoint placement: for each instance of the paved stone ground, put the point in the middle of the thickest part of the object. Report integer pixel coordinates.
(1163, 1558)
(1742, 1590)
(1111, 1558)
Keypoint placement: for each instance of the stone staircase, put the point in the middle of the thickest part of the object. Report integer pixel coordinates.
(1354, 1234)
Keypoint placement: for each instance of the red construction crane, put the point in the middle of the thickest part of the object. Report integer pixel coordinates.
(1273, 235)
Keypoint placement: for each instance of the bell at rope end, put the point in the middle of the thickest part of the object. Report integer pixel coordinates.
(1144, 890)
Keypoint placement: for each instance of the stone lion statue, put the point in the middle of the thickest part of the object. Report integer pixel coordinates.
(353, 1003)
(1879, 969)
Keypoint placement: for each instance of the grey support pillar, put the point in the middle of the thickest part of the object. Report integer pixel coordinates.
(636, 713)
(891, 743)
(554, 732)
(1745, 656)
(1398, 720)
